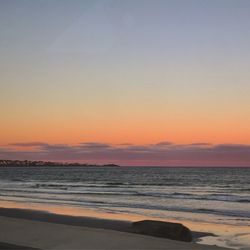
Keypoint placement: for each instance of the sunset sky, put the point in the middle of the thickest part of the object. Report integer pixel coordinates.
(134, 82)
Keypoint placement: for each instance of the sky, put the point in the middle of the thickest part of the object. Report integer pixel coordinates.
(133, 82)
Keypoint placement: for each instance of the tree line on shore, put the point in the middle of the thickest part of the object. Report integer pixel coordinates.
(27, 163)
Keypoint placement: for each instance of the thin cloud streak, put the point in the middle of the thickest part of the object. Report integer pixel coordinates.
(160, 154)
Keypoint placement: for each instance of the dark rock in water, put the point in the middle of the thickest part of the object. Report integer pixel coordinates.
(173, 231)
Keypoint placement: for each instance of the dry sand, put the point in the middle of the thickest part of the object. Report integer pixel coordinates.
(45, 235)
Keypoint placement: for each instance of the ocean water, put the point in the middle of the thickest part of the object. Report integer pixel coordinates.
(219, 195)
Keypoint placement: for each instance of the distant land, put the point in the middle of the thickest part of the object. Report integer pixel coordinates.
(26, 163)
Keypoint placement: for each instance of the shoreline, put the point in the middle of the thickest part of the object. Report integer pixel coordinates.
(33, 234)
(93, 222)
(203, 233)
(40, 217)
(43, 230)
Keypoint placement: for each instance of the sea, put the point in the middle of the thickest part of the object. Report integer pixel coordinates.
(214, 195)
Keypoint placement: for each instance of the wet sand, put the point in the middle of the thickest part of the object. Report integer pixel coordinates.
(43, 230)
(231, 236)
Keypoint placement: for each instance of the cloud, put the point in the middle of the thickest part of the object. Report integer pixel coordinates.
(94, 145)
(200, 144)
(160, 154)
(28, 144)
(164, 143)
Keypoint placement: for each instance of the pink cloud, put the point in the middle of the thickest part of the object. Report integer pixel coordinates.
(160, 154)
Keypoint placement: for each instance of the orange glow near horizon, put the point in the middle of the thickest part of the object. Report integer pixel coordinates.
(144, 132)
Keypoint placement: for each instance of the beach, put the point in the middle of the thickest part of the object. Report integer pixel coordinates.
(30, 229)
(212, 203)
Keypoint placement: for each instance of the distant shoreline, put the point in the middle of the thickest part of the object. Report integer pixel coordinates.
(27, 163)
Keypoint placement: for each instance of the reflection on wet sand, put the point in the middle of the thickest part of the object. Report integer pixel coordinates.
(232, 236)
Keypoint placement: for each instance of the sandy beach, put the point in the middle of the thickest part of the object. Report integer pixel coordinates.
(24, 229)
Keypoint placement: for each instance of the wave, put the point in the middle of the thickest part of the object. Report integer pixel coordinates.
(89, 190)
(212, 197)
(18, 180)
(123, 206)
(60, 192)
(244, 201)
